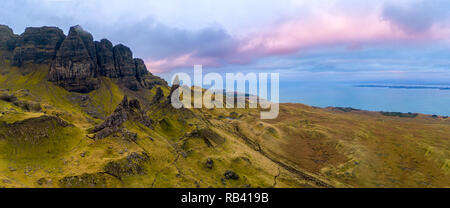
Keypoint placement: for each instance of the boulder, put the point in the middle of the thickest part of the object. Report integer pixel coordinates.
(230, 175)
(37, 45)
(209, 163)
(41, 181)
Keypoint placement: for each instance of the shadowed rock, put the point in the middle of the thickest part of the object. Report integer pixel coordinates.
(230, 175)
(126, 110)
(32, 131)
(88, 41)
(149, 81)
(73, 68)
(86, 180)
(124, 62)
(141, 69)
(105, 58)
(126, 67)
(37, 45)
(132, 165)
(24, 104)
(158, 95)
(7, 38)
(76, 61)
(209, 163)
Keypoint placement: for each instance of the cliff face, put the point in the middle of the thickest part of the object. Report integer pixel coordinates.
(124, 62)
(74, 67)
(126, 67)
(7, 42)
(37, 45)
(7, 38)
(76, 61)
(105, 58)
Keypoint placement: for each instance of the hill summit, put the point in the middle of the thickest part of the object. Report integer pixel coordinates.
(75, 60)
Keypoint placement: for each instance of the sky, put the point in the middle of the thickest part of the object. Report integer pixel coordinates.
(303, 40)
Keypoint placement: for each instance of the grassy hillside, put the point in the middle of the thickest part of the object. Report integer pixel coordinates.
(357, 148)
(46, 140)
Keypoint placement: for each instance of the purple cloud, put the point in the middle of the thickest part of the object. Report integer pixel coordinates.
(418, 17)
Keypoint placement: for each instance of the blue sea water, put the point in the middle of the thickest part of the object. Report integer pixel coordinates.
(416, 100)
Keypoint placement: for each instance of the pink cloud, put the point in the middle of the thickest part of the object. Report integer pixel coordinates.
(320, 30)
(185, 60)
(326, 29)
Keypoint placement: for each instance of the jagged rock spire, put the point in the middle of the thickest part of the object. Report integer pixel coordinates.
(125, 111)
(74, 68)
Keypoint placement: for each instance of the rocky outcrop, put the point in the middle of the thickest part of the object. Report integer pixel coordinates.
(144, 77)
(149, 81)
(37, 45)
(231, 175)
(126, 110)
(88, 41)
(134, 164)
(105, 58)
(80, 61)
(124, 62)
(209, 163)
(207, 135)
(76, 61)
(87, 180)
(158, 96)
(141, 69)
(7, 43)
(74, 67)
(126, 67)
(32, 131)
(24, 104)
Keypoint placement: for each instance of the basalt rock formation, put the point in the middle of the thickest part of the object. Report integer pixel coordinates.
(74, 67)
(76, 61)
(125, 66)
(105, 58)
(37, 45)
(127, 110)
(7, 42)
(124, 62)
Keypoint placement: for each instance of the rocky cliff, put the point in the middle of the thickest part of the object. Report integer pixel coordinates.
(37, 45)
(74, 67)
(105, 58)
(7, 43)
(7, 38)
(77, 61)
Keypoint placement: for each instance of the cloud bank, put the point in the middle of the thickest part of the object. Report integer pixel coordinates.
(260, 35)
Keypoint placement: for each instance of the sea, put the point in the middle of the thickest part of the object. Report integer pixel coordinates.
(426, 99)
